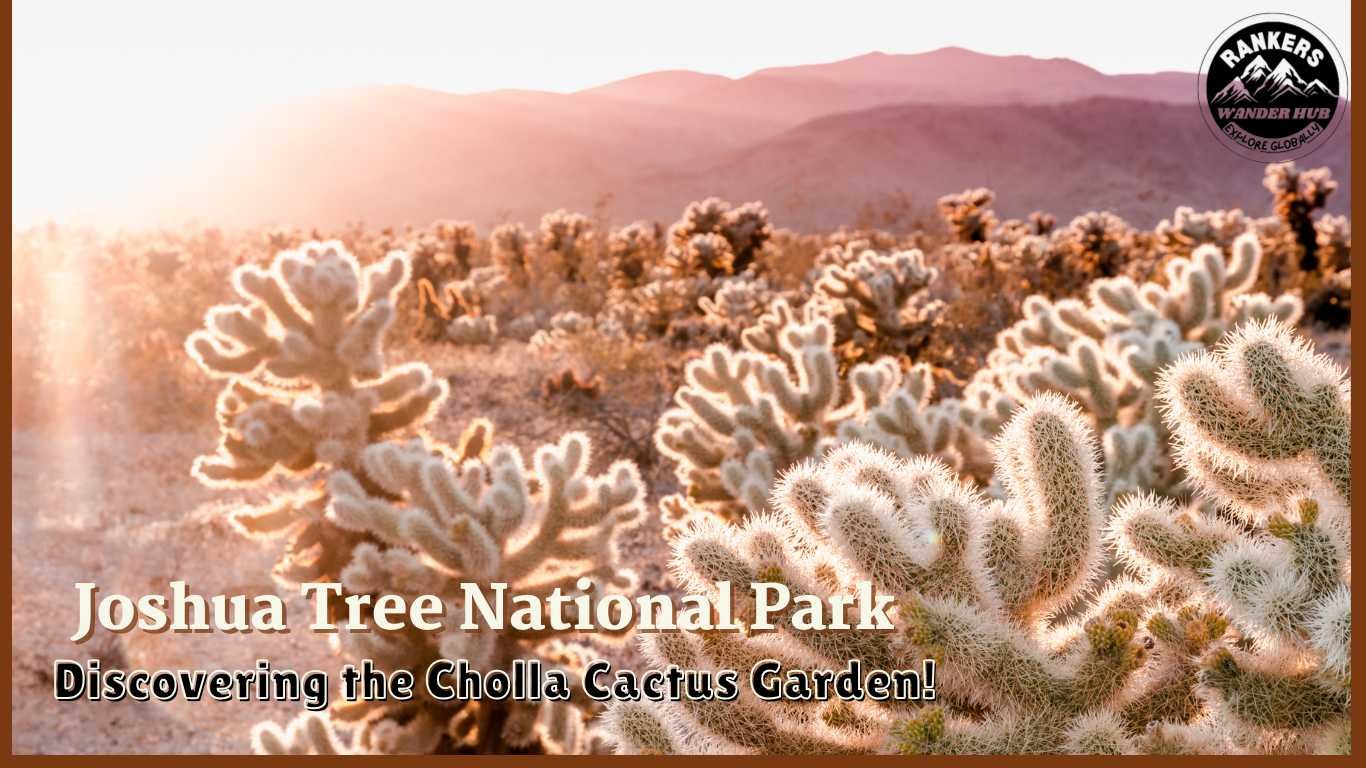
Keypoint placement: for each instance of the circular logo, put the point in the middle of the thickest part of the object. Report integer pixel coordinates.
(1274, 87)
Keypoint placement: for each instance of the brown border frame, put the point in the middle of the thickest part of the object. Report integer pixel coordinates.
(131, 761)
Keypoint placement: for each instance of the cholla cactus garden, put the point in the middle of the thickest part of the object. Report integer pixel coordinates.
(1127, 533)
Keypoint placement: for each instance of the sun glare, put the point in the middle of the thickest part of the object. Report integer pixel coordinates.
(111, 96)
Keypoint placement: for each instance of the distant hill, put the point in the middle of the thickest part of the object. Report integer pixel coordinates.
(1138, 159)
(944, 76)
(817, 143)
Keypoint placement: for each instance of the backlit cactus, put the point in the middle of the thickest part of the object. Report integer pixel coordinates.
(510, 244)
(458, 311)
(1263, 429)
(704, 253)
(1187, 229)
(877, 303)
(433, 523)
(975, 581)
(744, 417)
(1296, 196)
(969, 214)
(456, 241)
(1123, 527)
(725, 315)
(1107, 353)
(308, 390)
(744, 230)
(1096, 244)
(565, 245)
(1262, 409)
(631, 252)
(307, 383)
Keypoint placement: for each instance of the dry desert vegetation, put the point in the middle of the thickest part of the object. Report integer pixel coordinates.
(1103, 468)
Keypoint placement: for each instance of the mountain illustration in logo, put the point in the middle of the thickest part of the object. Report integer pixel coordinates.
(1260, 83)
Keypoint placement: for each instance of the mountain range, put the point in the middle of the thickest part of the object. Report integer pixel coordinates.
(821, 145)
(1261, 84)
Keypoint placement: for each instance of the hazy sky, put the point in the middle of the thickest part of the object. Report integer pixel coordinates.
(104, 91)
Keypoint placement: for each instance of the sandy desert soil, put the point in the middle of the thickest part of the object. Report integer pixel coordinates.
(120, 510)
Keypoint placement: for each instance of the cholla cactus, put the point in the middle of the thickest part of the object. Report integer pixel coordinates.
(1096, 244)
(1330, 306)
(747, 230)
(877, 303)
(1013, 232)
(308, 391)
(652, 308)
(307, 388)
(1334, 237)
(1265, 411)
(510, 244)
(563, 327)
(969, 214)
(1328, 295)
(443, 251)
(1042, 223)
(460, 239)
(1186, 229)
(744, 417)
(735, 306)
(432, 523)
(1263, 426)
(702, 254)
(906, 421)
(1107, 353)
(744, 230)
(458, 311)
(307, 383)
(630, 253)
(839, 253)
(1296, 195)
(707, 251)
(973, 579)
(566, 241)
(699, 217)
